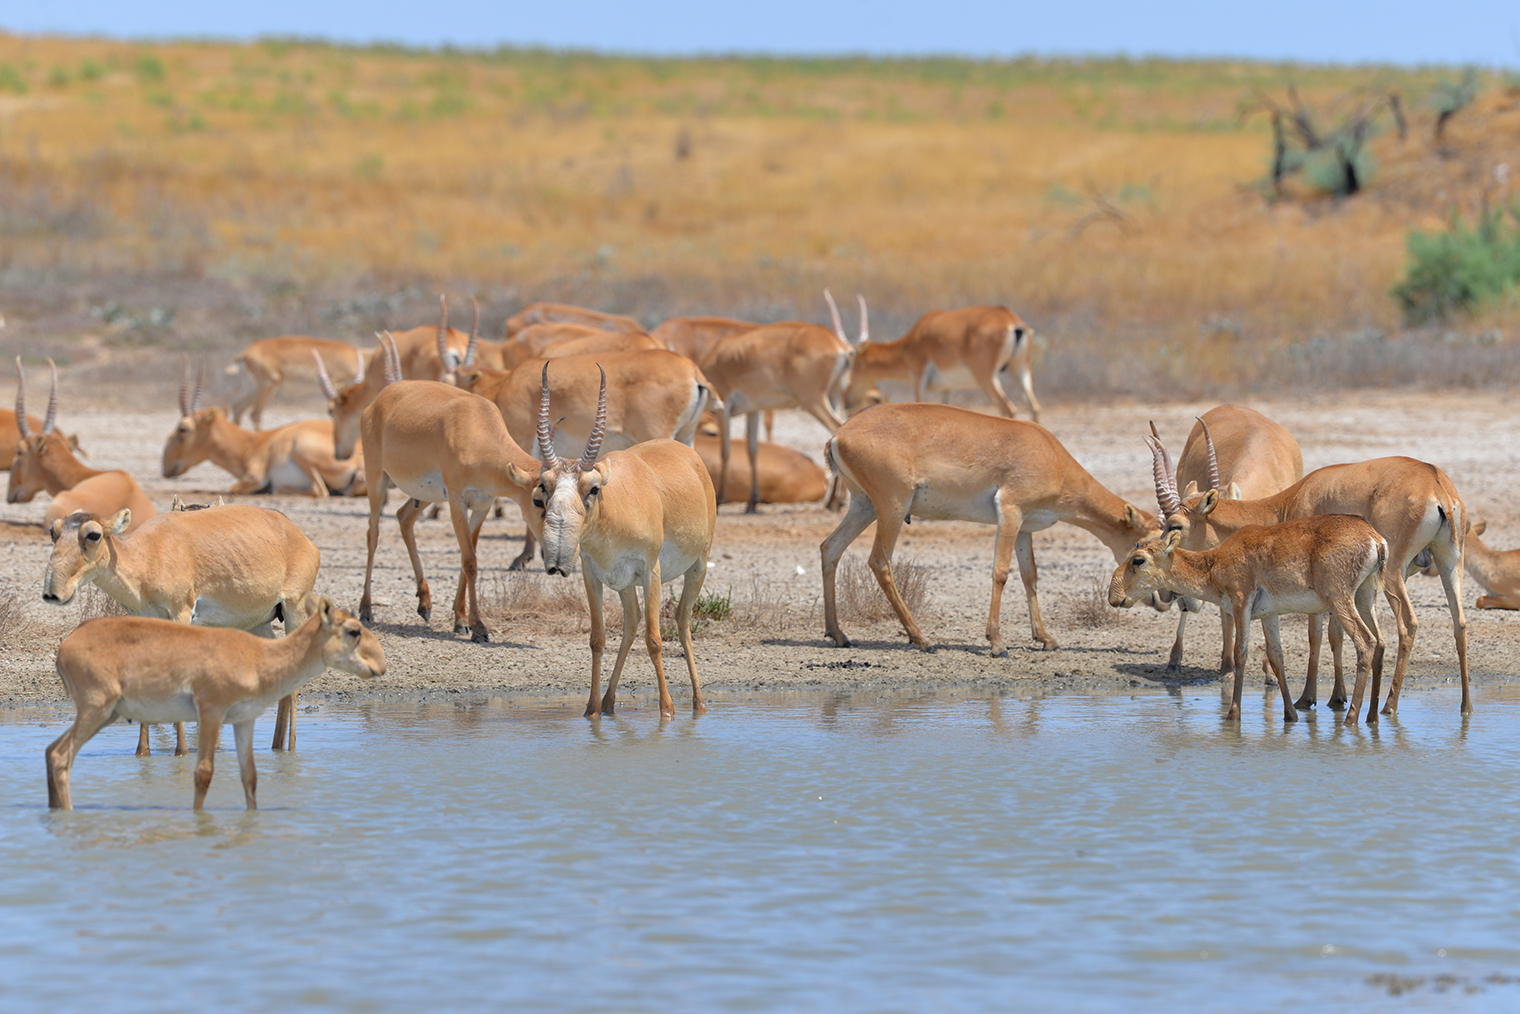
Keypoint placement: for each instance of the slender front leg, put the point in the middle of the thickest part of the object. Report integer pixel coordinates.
(752, 445)
(725, 418)
(889, 521)
(144, 748)
(598, 639)
(63, 751)
(1024, 548)
(242, 735)
(285, 723)
(377, 493)
(467, 534)
(1403, 613)
(207, 732)
(1242, 651)
(631, 619)
(652, 639)
(1310, 696)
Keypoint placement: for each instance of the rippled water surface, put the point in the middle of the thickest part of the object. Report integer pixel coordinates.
(801, 852)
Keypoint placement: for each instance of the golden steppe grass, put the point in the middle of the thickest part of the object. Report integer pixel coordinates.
(1118, 205)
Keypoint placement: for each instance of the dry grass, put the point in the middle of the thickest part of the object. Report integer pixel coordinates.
(18, 627)
(94, 604)
(555, 604)
(1092, 610)
(200, 194)
(859, 596)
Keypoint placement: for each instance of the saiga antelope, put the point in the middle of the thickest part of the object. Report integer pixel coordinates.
(423, 353)
(296, 457)
(564, 313)
(636, 519)
(935, 461)
(950, 350)
(650, 395)
(1498, 571)
(269, 362)
(693, 336)
(553, 341)
(149, 670)
(1246, 456)
(786, 475)
(11, 434)
(45, 462)
(435, 443)
(230, 566)
(1325, 563)
(1412, 504)
(788, 365)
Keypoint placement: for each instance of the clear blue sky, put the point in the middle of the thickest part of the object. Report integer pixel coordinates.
(1486, 32)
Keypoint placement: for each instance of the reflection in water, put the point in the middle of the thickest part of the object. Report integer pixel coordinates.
(860, 850)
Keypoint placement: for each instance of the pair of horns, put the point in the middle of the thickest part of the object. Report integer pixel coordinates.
(190, 403)
(865, 324)
(1167, 496)
(52, 410)
(447, 356)
(329, 388)
(546, 433)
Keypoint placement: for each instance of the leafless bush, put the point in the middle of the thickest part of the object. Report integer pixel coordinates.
(94, 603)
(860, 597)
(1092, 609)
(17, 625)
(556, 605)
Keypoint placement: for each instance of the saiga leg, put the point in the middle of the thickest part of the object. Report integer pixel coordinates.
(752, 445)
(598, 640)
(1024, 548)
(889, 521)
(630, 599)
(1241, 609)
(242, 735)
(691, 587)
(857, 518)
(467, 534)
(1273, 637)
(63, 751)
(652, 640)
(207, 732)
(377, 493)
(407, 515)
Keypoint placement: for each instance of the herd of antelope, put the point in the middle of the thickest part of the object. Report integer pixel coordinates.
(630, 457)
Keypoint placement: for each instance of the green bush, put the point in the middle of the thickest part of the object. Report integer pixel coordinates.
(11, 80)
(1462, 269)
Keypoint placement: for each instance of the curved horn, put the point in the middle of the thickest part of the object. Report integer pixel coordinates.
(545, 435)
(1208, 439)
(834, 312)
(51, 418)
(328, 390)
(184, 386)
(470, 349)
(392, 361)
(200, 381)
(599, 427)
(1161, 467)
(865, 321)
(444, 355)
(21, 424)
(358, 366)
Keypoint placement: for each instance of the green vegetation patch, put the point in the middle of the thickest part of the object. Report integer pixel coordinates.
(1464, 269)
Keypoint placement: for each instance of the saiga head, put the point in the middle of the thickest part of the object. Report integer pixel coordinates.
(80, 552)
(569, 493)
(1144, 571)
(346, 644)
(26, 471)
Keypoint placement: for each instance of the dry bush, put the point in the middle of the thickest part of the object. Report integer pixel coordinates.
(1092, 609)
(17, 624)
(94, 604)
(553, 604)
(860, 598)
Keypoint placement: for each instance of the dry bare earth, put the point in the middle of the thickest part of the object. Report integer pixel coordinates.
(774, 638)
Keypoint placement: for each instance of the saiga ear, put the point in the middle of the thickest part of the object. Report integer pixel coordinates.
(118, 522)
(325, 609)
(1192, 488)
(522, 479)
(1235, 491)
(1134, 519)
(1207, 504)
(1171, 542)
(56, 529)
(1477, 527)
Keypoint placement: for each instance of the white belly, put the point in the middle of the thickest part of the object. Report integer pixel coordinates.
(211, 613)
(428, 488)
(619, 573)
(1265, 603)
(286, 475)
(927, 503)
(179, 708)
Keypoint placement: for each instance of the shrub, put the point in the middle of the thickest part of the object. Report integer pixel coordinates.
(1462, 269)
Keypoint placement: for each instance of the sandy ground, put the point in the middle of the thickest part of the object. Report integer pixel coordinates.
(770, 565)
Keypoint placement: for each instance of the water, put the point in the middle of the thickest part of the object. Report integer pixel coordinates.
(803, 852)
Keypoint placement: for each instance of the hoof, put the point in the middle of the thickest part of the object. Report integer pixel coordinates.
(181, 752)
(461, 628)
(1303, 704)
(366, 614)
(751, 509)
(999, 652)
(1290, 716)
(426, 612)
(1337, 705)
(143, 751)
(1174, 668)
(480, 636)
(840, 641)
(1049, 645)
(518, 564)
